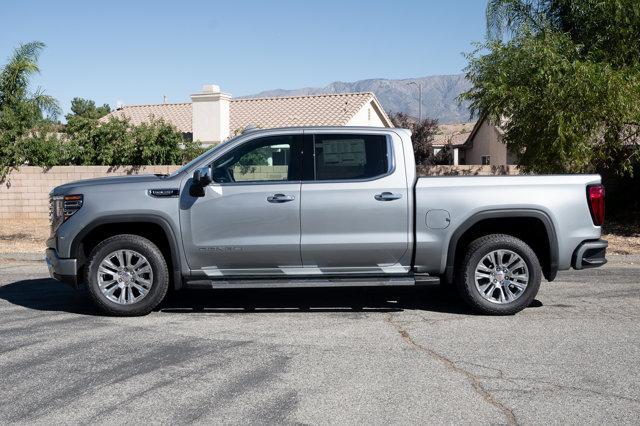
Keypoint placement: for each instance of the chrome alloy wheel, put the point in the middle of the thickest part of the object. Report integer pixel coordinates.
(125, 277)
(501, 276)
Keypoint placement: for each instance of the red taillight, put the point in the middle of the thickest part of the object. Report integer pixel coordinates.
(595, 195)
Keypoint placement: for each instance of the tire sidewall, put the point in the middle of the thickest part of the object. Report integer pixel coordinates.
(467, 284)
(156, 261)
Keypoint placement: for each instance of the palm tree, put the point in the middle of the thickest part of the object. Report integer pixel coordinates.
(20, 110)
(14, 82)
(514, 16)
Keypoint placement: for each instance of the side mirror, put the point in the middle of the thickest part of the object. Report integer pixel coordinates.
(202, 176)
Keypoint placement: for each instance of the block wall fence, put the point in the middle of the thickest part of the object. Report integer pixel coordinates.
(24, 194)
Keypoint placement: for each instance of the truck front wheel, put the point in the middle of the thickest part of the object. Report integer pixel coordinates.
(127, 275)
(499, 275)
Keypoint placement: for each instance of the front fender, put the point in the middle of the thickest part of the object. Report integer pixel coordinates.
(177, 257)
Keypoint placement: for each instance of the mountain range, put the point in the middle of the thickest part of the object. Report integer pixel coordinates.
(439, 95)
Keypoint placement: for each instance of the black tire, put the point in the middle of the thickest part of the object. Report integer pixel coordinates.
(477, 250)
(160, 282)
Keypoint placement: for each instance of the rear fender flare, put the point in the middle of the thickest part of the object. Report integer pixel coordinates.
(552, 271)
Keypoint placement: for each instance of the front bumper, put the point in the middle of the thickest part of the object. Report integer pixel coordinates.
(65, 270)
(590, 254)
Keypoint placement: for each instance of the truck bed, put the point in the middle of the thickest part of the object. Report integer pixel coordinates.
(446, 205)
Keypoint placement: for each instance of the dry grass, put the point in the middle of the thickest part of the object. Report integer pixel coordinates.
(23, 236)
(619, 244)
(623, 237)
(29, 236)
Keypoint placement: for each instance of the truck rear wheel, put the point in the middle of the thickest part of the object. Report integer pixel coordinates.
(127, 275)
(499, 275)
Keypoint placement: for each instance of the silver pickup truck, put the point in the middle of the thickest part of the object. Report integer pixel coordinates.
(305, 207)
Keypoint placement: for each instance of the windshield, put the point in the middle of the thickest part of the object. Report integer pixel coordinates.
(199, 158)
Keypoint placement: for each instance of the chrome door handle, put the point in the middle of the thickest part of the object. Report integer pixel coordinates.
(280, 198)
(387, 196)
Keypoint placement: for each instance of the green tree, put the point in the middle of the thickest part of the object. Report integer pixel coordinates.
(116, 142)
(423, 134)
(191, 149)
(563, 78)
(82, 129)
(45, 147)
(157, 142)
(444, 157)
(21, 111)
(86, 108)
(109, 144)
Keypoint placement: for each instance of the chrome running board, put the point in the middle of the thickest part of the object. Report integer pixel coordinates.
(308, 282)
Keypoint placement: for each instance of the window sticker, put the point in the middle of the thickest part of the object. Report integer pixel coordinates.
(344, 152)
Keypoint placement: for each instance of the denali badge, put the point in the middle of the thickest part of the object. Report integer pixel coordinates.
(165, 192)
(222, 249)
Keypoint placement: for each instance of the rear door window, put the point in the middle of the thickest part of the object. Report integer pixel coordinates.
(348, 156)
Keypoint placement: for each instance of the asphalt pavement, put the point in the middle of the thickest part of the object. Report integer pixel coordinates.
(321, 356)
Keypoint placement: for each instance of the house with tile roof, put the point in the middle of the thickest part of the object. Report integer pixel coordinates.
(475, 143)
(454, 135)
(484, 146)
(213, 116)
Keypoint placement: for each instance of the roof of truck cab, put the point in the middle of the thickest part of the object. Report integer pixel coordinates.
(337, 129)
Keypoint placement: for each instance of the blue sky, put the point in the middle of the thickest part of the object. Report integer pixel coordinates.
(137, 51)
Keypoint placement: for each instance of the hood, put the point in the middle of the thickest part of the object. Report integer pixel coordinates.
(114, 180)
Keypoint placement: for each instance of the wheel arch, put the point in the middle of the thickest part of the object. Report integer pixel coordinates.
(509, 220)
(155, 228)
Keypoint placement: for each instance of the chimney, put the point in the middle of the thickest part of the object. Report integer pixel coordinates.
(210, 119)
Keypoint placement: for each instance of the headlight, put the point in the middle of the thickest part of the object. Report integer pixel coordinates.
(63, 207)
(71, 204)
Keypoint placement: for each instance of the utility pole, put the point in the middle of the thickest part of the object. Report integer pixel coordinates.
(419, 85)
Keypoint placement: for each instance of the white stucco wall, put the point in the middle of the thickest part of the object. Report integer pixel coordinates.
(487, 141)
(367, 116)
(210, 120)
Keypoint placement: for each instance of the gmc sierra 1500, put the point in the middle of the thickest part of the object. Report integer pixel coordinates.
(303, 207)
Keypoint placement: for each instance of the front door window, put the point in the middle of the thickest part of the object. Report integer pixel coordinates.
(269, 159)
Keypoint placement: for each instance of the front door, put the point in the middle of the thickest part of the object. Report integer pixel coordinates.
(355, 204)
(248, 221)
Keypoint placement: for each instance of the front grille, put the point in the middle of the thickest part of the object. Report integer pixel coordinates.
(56, 212)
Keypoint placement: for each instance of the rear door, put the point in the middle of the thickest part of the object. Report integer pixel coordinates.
(355, 203)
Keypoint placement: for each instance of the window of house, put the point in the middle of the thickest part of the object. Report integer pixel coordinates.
(350, 156)
(485, 160)
(273, 158)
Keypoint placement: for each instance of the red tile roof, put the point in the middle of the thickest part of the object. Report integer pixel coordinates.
(177, 114)
(290, 111)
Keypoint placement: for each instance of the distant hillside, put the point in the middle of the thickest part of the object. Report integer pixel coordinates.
(439, 95)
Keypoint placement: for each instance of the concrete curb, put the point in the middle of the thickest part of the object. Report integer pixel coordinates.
(24, 257)
(623, 259)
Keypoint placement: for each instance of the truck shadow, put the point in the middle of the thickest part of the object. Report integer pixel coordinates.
(49, 295)
(346, 299)
(45, 294)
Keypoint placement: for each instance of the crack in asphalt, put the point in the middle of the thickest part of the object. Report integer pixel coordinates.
(473, 379)
(556, 386)
(516, 380)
